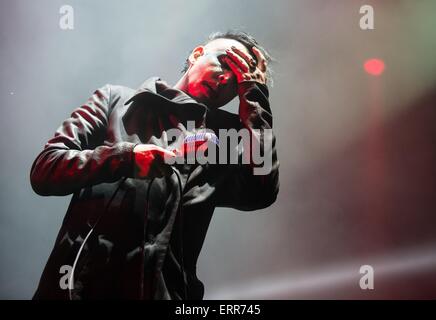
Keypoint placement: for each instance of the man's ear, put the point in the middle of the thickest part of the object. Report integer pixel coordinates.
(195, 54)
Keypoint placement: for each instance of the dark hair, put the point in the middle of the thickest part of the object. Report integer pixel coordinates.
(247, 40)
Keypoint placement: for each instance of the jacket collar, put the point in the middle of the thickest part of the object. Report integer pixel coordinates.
(177, 99)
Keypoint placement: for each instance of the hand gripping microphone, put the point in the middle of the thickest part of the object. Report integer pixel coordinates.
(193, 143)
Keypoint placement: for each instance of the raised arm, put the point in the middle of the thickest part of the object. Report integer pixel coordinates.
(248, 186)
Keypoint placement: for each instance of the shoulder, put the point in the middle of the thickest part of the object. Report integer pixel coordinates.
(118, 93)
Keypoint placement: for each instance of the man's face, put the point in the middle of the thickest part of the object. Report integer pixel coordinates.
(210, 80)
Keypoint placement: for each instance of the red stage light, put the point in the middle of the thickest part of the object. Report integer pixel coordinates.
(374, 67)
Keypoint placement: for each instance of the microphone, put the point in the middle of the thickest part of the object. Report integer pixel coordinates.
(193, 143)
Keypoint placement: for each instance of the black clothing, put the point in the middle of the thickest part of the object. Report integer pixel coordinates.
(146, 235)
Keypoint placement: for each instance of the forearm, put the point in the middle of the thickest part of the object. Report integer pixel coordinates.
(256, 117)
(255, 184)
(58, 171)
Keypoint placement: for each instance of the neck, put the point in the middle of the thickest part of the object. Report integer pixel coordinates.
(182, 84)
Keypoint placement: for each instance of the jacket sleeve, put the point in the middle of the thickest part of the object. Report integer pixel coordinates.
(249, 187)
(75, 156)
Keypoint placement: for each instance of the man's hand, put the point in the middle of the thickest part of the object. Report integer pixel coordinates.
(245, 67)
(150, 161)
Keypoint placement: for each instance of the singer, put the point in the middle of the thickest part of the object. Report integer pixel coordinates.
(136, 224)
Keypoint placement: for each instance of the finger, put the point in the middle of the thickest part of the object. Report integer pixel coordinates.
(163, 152)
(248, 59)
(262, 63)
(236, 70)
(151, 149)
(259, 55)
(238, 60)
(164, 158)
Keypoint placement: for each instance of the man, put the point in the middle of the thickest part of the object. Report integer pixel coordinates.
(136, 224)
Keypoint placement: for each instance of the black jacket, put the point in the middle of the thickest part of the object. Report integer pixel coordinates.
(143, 236)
